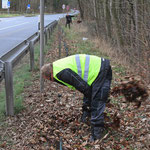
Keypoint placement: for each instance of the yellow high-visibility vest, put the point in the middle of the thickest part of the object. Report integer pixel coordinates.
(86, 66)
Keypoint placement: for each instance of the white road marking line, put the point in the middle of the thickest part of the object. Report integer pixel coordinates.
(14, 26)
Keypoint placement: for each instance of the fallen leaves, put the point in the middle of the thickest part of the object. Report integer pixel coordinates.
(3, 145)
(133, 91)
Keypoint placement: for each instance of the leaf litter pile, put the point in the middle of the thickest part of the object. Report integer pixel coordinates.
(52, 119)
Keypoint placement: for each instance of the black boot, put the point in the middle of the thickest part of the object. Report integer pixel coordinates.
(86, 114)
(97, 132)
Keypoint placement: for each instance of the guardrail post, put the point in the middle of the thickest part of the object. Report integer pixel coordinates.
(45, 36)
(49, 32)
(9, 89)
(59, 38)
(66, 48)
(31, 55)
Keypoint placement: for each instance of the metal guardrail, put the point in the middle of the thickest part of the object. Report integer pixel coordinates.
(11, 59)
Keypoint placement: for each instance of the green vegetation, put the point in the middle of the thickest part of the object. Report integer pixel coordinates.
(120, 69)
(30, 15)
(80, 46)
(8, 15)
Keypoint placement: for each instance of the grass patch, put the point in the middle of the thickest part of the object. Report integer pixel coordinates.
(6, 15)
(9, 15)
(21, 78)
(30, 15)
(119, 69)
(80, 46)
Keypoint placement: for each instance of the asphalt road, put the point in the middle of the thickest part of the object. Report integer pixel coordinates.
(15, 30)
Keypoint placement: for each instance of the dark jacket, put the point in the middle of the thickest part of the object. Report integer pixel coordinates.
(69, 19)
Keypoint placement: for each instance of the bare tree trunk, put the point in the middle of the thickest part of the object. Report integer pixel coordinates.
(148, 61)
(137, 30)
(97, 19)
(94, 5)
(81, 8)
(115, 23)
(108, 19)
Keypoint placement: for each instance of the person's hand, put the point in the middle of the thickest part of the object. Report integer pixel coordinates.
(45, 77)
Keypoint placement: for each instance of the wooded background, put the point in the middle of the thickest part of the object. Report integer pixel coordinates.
(123, 23)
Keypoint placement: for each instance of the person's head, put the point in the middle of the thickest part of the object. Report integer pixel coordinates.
(67, 14)
(47, 71)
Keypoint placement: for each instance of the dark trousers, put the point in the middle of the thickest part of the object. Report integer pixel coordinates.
(100, 92)
(68, 24)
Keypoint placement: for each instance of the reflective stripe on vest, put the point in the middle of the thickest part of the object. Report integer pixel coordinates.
(86, 68)
(78, 65)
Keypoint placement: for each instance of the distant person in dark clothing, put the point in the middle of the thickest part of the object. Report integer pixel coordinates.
(69, 20)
